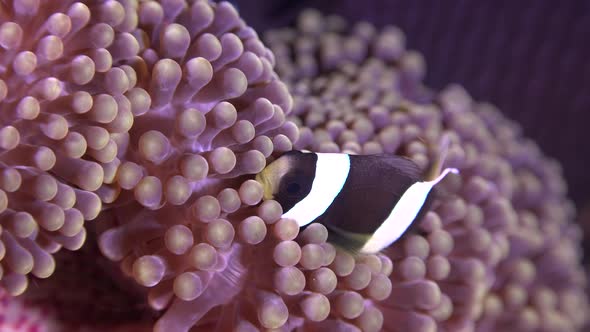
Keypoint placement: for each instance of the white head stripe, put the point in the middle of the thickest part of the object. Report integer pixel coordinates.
(402, 215)
(330, 175)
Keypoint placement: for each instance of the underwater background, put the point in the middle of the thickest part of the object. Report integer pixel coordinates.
(131, 131)
(529, 58)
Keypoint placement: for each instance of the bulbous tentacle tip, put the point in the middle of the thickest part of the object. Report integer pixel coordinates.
(160, 113)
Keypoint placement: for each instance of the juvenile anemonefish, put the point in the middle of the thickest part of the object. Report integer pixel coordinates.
(367, 202)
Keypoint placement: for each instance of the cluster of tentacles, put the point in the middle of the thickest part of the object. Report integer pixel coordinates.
(137, 127)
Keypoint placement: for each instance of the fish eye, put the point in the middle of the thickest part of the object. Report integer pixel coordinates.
(293, 188)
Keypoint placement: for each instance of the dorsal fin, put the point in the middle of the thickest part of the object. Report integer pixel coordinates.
(434, 169)
(404, 165)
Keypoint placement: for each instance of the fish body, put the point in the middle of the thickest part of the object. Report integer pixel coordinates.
(366, 202)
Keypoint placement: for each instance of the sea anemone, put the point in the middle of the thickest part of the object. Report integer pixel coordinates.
(145, 108)
(152, 118)
(499, 251)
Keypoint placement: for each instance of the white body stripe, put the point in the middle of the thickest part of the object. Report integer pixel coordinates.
(402, 215)
(331, 172)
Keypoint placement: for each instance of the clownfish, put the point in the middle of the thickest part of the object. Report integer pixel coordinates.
(366, 202)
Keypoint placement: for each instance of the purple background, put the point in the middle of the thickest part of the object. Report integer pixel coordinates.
(530, 58)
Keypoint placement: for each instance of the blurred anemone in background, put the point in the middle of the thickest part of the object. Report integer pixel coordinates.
(131, 132)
